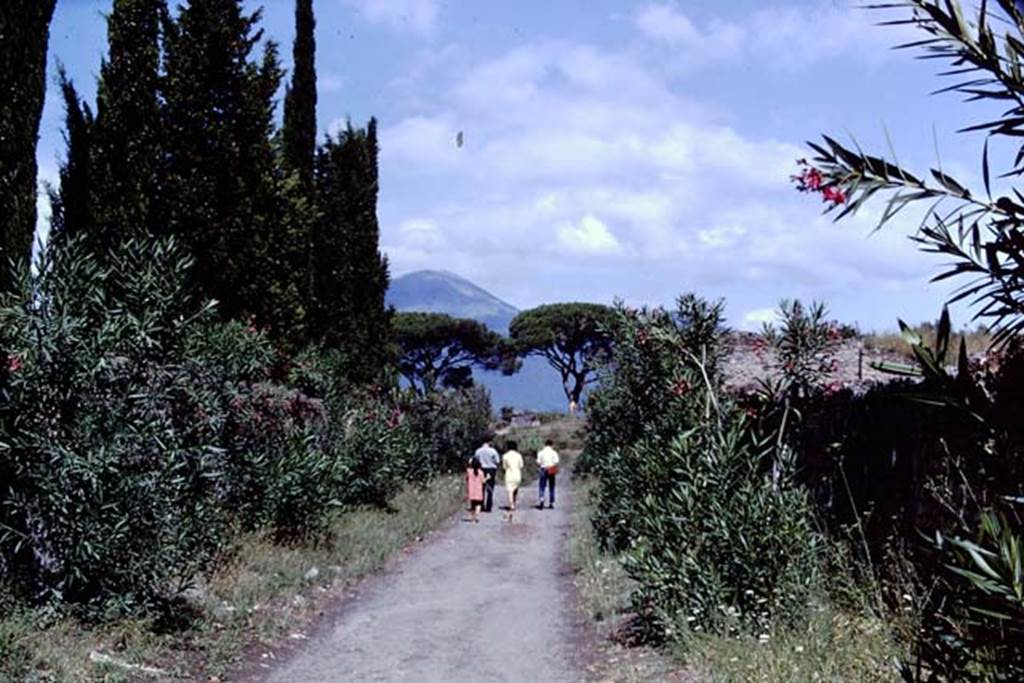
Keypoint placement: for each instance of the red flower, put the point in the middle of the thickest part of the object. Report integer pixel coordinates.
(809, 180)
(681, 387)
(833, 194)
(14, 364)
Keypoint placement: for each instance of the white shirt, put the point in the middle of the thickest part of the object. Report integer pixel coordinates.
(547, 457)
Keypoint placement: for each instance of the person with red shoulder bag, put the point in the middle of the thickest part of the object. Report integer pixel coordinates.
(547, 465)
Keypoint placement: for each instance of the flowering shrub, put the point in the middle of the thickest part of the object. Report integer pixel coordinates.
(138, 434)
(112, 494)
(805, 344)
(712, 542)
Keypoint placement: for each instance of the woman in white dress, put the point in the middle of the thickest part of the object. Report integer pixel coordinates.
(512, 463)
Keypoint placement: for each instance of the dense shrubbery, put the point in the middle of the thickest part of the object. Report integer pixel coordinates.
(448, 426)
(935, 457)
(113, 479)
(140, 433)
(685, 494)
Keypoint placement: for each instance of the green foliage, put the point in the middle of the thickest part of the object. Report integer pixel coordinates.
(128, 129)
(980, 634)
(572, 337)
(299, 132)
(111, 499)
(448, 426)
(69, 203)
(805, 344)
(378, 449)
(350, 275)
(140, 434)
(437, 350)
(24, 35)
(224, 191)
(712, 542)
(647, 378)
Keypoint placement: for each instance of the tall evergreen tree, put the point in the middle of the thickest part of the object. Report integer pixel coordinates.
(126, 143)
(299, 131)
(350, 274)
(224, 193)
(24, 36)
(71, 213)
(298, 147)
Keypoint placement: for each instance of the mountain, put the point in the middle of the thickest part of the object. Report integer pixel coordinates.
(438, 291)
(535, 387)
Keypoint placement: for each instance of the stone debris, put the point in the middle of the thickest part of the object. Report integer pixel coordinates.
(101, 658)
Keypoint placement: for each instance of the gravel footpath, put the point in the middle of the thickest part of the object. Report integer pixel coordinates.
(491, 602)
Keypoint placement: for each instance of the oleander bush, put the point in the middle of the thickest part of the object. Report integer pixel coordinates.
(140, 434)
(686, 496)
(112, 497)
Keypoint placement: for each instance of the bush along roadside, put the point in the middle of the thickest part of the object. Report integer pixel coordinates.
(756, 524)
(142, 439)
(687, 489)
(697, 501)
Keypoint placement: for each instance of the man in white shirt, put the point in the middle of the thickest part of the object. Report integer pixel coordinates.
(489, 461)
(547, 464)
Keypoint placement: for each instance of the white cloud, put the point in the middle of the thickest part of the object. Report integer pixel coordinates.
(589, 168)
(758, 317)
(422, 233)
(665, 22)
(405, 16)
(721, 236)
(785, 36)
(329, 83)
(590, 235)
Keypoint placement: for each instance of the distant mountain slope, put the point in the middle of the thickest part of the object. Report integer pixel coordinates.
(535, 387)
(438, 291)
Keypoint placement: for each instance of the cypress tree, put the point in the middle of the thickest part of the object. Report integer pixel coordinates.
(224, 190)
(70, 206)
(350, 274)
(24, 36)
(298, 148)
(126, 144)
(299, 131)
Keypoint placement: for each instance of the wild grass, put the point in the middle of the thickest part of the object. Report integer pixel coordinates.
(602, 583)
(265, 594)
(828, 645)
(978, 340)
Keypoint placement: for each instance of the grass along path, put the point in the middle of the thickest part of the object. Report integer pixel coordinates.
(267, 594)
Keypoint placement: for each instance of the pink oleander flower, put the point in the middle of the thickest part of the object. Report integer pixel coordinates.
(14, 364)
(681, 388)
(811, 179)
(833, 194)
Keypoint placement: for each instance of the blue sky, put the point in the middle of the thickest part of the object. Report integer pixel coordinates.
(618, 149)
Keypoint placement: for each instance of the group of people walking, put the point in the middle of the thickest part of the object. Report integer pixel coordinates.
(482, 472)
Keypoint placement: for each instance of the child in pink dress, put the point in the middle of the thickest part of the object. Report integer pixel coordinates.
(475, 488)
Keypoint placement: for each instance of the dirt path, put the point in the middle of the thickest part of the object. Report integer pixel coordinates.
(491, 601)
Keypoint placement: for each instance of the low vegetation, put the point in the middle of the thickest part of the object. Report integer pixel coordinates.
(266, 594)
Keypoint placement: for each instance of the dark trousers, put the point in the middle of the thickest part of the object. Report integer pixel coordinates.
(545, 480)
(489, 475)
